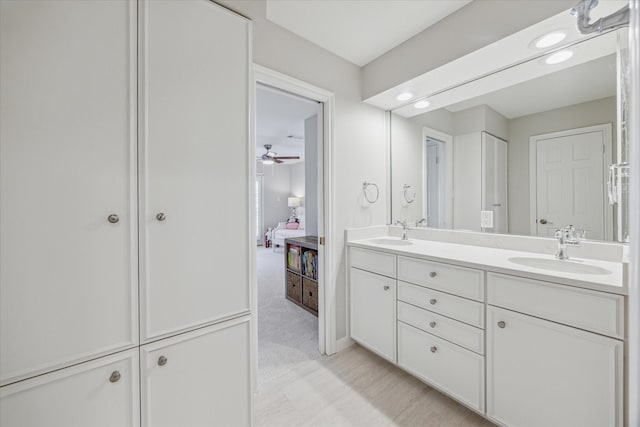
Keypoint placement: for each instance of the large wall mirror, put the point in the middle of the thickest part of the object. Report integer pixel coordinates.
(524, 150)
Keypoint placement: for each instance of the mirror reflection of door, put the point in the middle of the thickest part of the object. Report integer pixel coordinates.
(569, 180)
(435, 181)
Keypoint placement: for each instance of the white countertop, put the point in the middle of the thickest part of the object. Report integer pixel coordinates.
(497, 260)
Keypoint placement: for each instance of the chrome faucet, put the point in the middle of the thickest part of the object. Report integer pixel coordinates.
(567, 236)
(422, 223)
(404, 228)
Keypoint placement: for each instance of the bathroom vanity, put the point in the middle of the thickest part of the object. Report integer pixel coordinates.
(519, 337)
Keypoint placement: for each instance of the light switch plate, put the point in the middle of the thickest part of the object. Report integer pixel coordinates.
(486, 219)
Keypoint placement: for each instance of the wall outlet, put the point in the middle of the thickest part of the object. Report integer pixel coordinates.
(486, 219)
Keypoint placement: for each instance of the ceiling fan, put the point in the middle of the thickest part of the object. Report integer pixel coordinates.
(270, 157)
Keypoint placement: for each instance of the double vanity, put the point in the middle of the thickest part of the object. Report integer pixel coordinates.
(502, 327)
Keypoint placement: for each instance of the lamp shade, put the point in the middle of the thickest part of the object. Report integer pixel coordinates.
(293, 202)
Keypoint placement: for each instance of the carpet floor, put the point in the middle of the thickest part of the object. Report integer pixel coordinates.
(287, 334)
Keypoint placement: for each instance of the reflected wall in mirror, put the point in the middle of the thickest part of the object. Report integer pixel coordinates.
(523, 151)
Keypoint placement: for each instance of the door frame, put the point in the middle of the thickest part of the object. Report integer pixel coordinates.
(447, 172)
(326, 284)
(606, 129)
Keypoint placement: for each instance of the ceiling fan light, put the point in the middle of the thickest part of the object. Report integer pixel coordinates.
(267, 161)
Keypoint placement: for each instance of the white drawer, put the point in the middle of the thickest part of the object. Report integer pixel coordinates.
(591, 310)
(465, 282)
(465, 310)
(451, 368)
(457, 332)
(375, 261)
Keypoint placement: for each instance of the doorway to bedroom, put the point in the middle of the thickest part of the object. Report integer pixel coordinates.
(288, 140)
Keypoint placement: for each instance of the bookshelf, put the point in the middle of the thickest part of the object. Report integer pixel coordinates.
(301, 271)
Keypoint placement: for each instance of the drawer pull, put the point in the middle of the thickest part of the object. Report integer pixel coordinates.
(434, 349)
(115, 376)
(113, 218)
(386, 287)
(432, 274)
(432, 324)
(162, 360)
(161, 216)
(433, 301)
(501, 324)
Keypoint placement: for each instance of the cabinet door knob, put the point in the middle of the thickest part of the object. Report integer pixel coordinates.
(386, 287)
(115, 376)
(162, 361)
(433, 301)
(434, 349)
(432, 324)
(113, 218)
(501, 324)
(433, 274)
(161, 216)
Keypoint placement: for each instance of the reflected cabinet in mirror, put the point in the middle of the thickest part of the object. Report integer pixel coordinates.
(525, 150)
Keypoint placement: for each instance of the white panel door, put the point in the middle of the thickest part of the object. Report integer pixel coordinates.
(195, 181)
(373, 312)
(494, 181)
(200, 378)
(68, 287)
(570, 187)
(103, 392)
(540, 373)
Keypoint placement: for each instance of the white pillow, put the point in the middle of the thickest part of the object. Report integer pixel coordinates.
(301, 222)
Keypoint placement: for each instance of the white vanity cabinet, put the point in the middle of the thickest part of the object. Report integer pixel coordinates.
(200, 378)
(373, 302)
(103, 392)
(575, 375)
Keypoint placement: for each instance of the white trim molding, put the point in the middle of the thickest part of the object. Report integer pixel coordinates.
(448, 172)
(606, 130)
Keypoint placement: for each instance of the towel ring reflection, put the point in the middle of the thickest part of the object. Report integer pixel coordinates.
(408, 193)
(365, 186)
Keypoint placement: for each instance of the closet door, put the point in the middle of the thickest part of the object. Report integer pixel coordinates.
(194, 158)
(68, 259)
(494, 181)
(201, 378)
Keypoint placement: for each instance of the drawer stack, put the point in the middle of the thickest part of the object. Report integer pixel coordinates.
(441, 326)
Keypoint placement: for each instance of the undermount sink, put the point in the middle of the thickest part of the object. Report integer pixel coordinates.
(565, 266)
(391, 242)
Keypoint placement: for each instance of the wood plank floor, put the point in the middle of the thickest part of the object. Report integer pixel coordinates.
(355, 388)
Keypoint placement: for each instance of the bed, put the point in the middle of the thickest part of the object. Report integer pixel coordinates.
(281, 232)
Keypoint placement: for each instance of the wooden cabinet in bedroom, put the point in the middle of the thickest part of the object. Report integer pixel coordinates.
(301, 272)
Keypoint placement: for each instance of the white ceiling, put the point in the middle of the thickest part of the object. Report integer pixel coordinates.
(357, 30)
(280, 122)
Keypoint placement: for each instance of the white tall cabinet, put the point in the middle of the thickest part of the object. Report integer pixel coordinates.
(123, 147)
(480, 182)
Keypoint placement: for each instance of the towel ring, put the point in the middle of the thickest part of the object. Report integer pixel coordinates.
(365, 186)
(409, 196)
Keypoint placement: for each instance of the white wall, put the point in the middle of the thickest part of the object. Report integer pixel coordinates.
(276, 189)
(520, 129)
(407, 163)
(311, 174)
(297, 180)
(359, 130)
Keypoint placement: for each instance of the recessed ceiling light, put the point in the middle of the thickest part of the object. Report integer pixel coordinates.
(421, 104)
(558, 57)
(404, 96)
(550, 39)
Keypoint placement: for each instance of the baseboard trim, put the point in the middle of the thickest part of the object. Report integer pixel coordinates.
(343, 344)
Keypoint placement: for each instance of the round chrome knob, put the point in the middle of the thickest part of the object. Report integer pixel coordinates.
(501, 324)
(432, 274)
(386, 287)
(115, 376)
(433, 301)
(432, 324)
(113, 218)
(434, 349)
(162, 361)
(161, 216)
(543, 221)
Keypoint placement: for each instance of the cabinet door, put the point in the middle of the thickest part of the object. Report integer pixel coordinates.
(540, 373)
(195, 182)
(373, 312)
(68, 289)
(199, 378)
(103, 392)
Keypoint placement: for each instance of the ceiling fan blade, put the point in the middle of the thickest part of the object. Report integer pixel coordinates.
(277, 160)
(287, 157)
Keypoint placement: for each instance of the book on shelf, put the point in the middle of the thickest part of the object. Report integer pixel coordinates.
(310, 264)
(293, 257)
